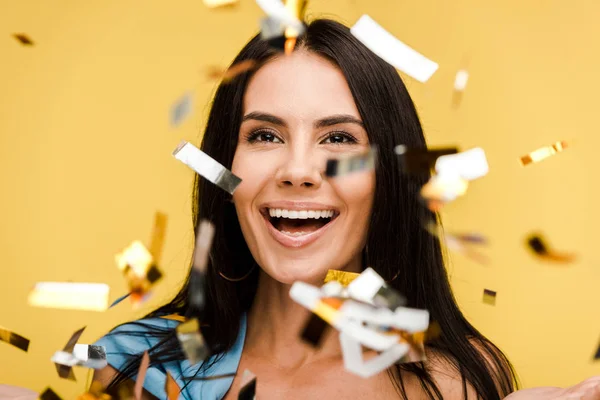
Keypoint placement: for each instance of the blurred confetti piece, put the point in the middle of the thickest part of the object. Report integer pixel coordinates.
(23, 39)
(158, 235)
(421, 160)
(489, 297)
(460, 81)
(442, 189)
(192, 342)
(314, 330)
(95, 392)
(227, 75)
(68, 295)
(538, 244)
(470, 164)
(543, 153)
(141, 376)
(204, 238)
(350, 164)
(140, 271)
(220, 3)
(206, 166)
(276, 10)
(181, 109)
(342, 277)
(66, 371)
(49, 394)
(247, 386)
(120, 299)
(83, 355)
(171, 388)
(297, 8)
(460, 242)
(392, 50)
(14, 339)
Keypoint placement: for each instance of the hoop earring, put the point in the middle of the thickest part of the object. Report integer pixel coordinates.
(238, 279)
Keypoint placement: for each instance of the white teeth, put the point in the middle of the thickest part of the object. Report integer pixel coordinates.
(295, 233)
(304, 214)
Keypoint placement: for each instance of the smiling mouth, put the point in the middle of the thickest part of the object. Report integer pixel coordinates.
(298, 223)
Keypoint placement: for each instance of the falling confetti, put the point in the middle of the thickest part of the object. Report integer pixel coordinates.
(220, 3)
(204, 237)
(489, 297)
(392, 50)
(171, 388)
(141, 376)
(247, 386)
(181, 109)
(421, 160)
(543, 153)
(191, 341)
(140, 271)
(227, 75)
(49, 394)
(14, 339)
(70, 296)
(542, 250)
(23, 39)
(66, 371)
(354, 163)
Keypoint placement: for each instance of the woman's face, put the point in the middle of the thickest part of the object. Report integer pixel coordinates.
(299, 112)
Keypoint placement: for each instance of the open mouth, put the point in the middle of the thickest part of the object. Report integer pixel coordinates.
(298, 223)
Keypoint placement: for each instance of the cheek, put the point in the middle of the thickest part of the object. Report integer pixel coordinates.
(255, 174)
(357, 192)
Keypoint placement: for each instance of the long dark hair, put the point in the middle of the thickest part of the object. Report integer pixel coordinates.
(398, 247)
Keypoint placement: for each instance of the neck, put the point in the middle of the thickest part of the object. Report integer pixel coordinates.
(275, 323)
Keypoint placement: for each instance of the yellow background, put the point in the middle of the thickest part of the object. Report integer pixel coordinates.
(85, 157)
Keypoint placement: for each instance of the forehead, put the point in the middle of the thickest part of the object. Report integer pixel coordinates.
(303, 85)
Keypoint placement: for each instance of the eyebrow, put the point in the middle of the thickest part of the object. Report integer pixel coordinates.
(321, 123)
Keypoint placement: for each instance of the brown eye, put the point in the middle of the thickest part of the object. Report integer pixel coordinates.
(264, 136)
(339, 138)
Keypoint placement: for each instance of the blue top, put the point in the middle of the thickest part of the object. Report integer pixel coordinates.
(120, 347)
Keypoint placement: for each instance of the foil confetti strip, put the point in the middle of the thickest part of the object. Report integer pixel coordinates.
(23, 39)
(314, 330)
(537, 243)
(342, 277)
(171, 388)
(543, 153)
(70, 296)
(14, 339)
(204, 238)
(120, 299)
(181, 109)
(206, 166)
(229, 74)
(351, 164)
(276, 10)
(49, 394)
(247, 386)
(298, 9)
(159, 231)
(460, 84)
(489, 297)
(469, 165)
(192, 342)
(460, 242)
(392, 50)
(66, 371)
(141, 376)
(421, 160)
(220, 3)
(442, 189)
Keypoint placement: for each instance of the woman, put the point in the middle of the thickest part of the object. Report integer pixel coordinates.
(275, 128)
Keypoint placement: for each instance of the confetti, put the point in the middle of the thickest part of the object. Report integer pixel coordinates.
(181, 109)
(206, 166)
(230, 73)
(469, 165)
(370, 288)
(49, 394)
(204, 237)
(538, 245)
(460, 81)
(314, 330)
(349, 164)
(158, 235)
(171, 388)
(489, 297)
(342, 277)
(23, 39)
(14, 339)
(220, 3)
(84, 355)
(247, 386)
(392, 50)
(442, 189)
(68, 295)
(120, 299)
(460, 242)
(277, 11)
(421, 160)
(66, 371)
(95, 392)
(191, 341)
(141, 376)
(140, 271)
(297, 8)
(543, 153)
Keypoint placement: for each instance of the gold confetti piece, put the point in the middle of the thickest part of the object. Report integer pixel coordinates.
(247, 386)
(289, 45)
(158, 235)
(141, 376)
(192, 342)
(460, 81)
(297, 8)
(314, 330)
(421, 160)
(442, 189)
(171, 388)
(543, 153)
(433, 332)
(66, 371)
(68, 295)
(489, 297)
(140, 271)
(541, 249)
(227, 75)
(392, 50)
(49, 394)
(206, 166)
(175, 317)
(220, 3)
(14, 339)
(342, 277)
(350, 164)
(276, 11)
(23, 39)
(95, 392)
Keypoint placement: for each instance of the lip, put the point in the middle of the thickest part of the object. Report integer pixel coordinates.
(299, 241)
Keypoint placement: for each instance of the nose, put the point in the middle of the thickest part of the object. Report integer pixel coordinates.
(299, 170)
